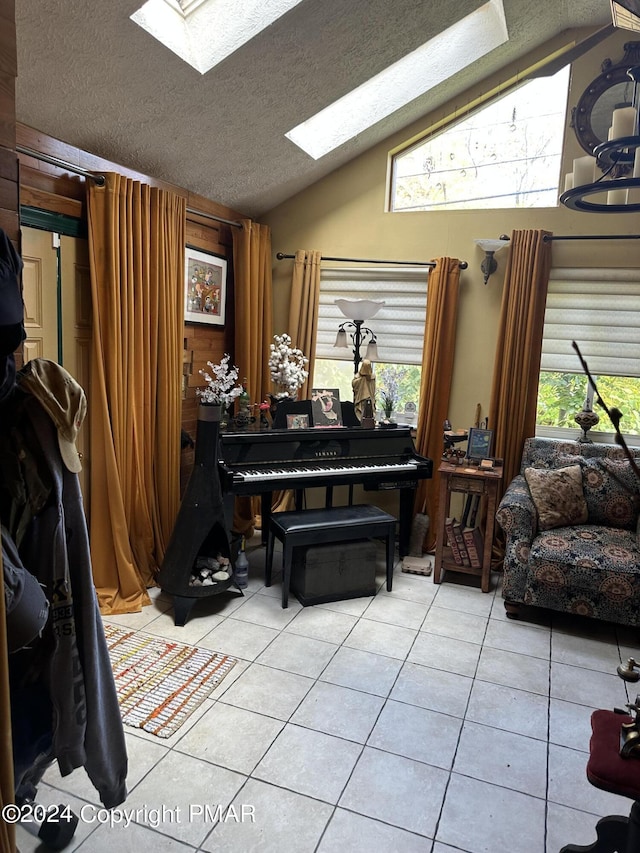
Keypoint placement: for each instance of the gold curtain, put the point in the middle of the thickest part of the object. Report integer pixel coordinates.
(437, 368)
(7, 791)
(253, 305)
(136, 253)
(303, 309)
(514, 394)
(253, 330)
(302, 328)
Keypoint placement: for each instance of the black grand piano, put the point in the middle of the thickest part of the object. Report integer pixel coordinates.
(259, 463)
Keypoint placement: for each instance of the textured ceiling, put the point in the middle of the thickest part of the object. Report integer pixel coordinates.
(91, 77)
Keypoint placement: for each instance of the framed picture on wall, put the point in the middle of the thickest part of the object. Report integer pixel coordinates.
(205, 287)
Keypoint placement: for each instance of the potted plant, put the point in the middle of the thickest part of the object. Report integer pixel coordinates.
(221, 388)
(389, 379)
(388, 403)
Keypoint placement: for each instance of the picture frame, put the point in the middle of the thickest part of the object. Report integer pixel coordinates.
(326, 409)
(297, 421)
(479, 443)
(205, 287)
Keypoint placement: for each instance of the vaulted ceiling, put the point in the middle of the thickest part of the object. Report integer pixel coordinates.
(88, 75)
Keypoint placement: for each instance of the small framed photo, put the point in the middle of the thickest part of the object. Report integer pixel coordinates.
(205, 287)
(297, 421)
(479, 443)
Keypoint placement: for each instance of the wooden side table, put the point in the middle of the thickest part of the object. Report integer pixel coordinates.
(475, 481)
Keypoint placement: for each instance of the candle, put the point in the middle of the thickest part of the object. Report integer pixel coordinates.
(624, 122)
(617, 197)
(584, 171)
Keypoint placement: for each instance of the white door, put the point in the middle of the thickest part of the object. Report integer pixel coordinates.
(57, 297)
(40, 292)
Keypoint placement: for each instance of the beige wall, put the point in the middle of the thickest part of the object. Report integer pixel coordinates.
(343, 215)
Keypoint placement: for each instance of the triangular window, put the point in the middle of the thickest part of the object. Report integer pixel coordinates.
(507, 154)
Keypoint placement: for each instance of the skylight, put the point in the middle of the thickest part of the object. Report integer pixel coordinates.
(204, 32)
(421, 70)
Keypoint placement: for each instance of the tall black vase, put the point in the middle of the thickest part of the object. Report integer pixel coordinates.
(200, 529)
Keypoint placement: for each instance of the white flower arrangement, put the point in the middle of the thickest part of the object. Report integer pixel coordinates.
(220, 387)
(286, 364)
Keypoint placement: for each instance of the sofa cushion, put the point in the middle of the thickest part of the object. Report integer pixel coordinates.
(558, 496)
(611, 492)
(589, 570)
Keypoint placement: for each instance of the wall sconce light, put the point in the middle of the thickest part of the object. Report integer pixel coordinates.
(489, 264)
(358, 310)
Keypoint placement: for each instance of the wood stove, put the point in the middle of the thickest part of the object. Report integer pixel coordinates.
(198, 559)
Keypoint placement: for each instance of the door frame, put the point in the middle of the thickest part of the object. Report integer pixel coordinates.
(47, 220)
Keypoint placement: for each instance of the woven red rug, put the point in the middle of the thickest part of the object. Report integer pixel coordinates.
(159, 682)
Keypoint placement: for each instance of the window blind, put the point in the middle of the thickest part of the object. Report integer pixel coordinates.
(398, 325)
(599, 309)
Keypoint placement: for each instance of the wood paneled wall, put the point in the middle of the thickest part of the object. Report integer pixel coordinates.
(9, 203)
(55, 189)
(10, 222)
(203, 343)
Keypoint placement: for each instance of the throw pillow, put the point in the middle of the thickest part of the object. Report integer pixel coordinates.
(558, 496)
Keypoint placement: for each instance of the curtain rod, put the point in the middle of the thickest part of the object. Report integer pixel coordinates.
(463, 264)
(54, 161)
(100, 179)
(547, 238)
(213, 216)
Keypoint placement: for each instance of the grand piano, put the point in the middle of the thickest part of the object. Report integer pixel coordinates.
(259, 463)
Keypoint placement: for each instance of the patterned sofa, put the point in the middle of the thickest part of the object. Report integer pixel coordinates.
(589, 562)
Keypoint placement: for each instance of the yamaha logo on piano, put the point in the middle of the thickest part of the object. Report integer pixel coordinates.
(326, 453)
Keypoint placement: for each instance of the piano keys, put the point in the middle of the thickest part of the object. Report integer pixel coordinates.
(259, 463)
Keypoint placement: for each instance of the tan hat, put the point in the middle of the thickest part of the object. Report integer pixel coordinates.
(63, 399)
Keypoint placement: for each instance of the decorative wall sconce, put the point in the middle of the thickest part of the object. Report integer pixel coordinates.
(605, 121)
(489, 264)
(358, 310)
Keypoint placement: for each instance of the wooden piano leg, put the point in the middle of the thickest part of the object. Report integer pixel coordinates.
(268, 562)
(407, 498)
(265, 512)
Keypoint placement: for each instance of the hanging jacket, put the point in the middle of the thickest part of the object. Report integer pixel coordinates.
(54, 546)
(26, 605)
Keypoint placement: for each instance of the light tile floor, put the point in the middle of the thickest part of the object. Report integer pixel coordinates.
(417, 720)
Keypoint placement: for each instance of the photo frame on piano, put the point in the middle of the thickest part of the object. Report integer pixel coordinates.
(297, 421)
(326, 410)
(285, 408)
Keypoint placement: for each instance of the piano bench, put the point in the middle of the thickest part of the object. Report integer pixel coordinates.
(323, 527)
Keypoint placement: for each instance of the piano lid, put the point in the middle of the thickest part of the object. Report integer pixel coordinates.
(317, 443)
